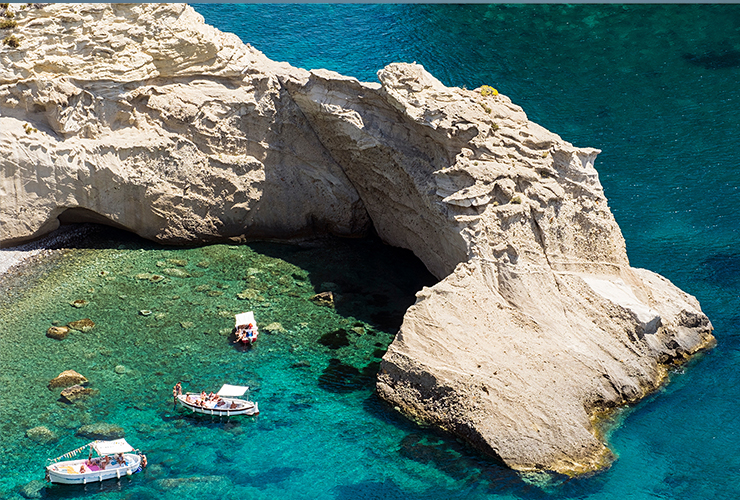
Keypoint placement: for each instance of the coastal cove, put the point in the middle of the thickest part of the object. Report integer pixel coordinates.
(655, 92)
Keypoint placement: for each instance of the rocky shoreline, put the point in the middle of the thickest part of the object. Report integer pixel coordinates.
(14, 260)
(538, 323)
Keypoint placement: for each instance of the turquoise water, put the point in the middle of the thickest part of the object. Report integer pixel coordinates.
(653, 86)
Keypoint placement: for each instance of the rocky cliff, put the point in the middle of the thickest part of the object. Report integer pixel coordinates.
(143, 117)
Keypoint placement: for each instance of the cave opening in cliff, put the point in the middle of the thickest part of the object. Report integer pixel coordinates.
(79, 215)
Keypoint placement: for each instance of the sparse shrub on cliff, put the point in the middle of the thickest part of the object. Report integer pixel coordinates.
(9, 14)
(7, 24)
(11, 41)
(29, 129)
(487, 90)
(4, 5)
(494, 126)
(516, 199)
(485, 107)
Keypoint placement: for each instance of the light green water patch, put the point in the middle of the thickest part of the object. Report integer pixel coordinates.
(163, 315)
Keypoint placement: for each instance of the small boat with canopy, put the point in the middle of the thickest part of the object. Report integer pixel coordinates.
(114, 459)
(225, 402)
(245, 328)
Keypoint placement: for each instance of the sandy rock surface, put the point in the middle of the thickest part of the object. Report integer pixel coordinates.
(143, 117)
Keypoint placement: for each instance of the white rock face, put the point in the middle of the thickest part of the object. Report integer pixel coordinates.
(153, 121)
(150, 120)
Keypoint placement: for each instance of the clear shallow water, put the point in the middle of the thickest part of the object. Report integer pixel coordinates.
(653, 86)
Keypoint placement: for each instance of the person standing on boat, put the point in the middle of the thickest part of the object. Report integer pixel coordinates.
(176, 391)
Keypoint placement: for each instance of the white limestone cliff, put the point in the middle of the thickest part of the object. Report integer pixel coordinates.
(144, 117)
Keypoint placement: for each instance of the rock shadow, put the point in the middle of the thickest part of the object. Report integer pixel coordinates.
(723, 58)
(371, 281)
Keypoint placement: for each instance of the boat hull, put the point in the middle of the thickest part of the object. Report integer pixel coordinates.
(67, 472)
(243, 407)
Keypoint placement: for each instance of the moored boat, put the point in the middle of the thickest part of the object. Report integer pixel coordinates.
(115, 459)
(245, 328)
(225, 402)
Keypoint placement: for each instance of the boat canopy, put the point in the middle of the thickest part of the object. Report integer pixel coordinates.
(111, 447)
(245, 318)
(232, 390)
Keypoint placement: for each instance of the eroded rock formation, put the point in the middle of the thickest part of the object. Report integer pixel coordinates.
(146, 118)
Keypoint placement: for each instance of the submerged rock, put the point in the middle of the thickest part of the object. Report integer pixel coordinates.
(175, 272)
(76, 393)
(248, 294)
(57, 332)
(323, 299)
(538, 323)
(66, 379)
(106, 432)
(82, 325)
(336, 339)
(41, 434)
(33, 489)
(274, 327)
(193, 485)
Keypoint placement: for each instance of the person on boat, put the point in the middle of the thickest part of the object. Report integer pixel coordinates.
(233, 405)
(188, 398)
(241, 334)
(120, 460)
(82, 469)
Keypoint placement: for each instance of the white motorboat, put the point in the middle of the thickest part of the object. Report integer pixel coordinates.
(245, 328)
(225, 403)
(115, 459)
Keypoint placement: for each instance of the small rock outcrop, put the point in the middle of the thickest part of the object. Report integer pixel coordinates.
(143, 117)
(66, 379)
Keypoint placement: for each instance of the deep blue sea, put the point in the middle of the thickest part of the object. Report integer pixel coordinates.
(655, 87)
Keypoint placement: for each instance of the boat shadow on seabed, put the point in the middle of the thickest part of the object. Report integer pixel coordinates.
(78, 490)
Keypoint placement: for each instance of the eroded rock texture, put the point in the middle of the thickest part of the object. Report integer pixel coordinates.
(144, 117)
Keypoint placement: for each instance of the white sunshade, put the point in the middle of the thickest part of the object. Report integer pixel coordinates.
(110, 447)
(232, 390)
(245, 318)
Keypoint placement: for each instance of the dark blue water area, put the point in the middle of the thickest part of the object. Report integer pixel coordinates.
(653, 86)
